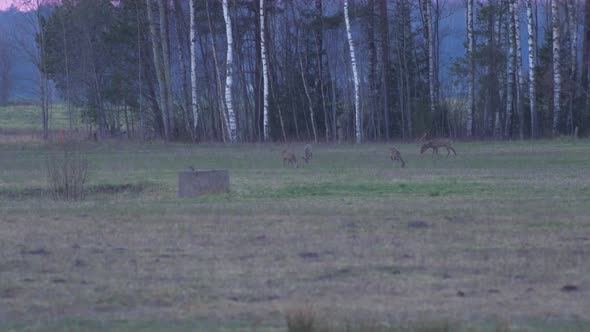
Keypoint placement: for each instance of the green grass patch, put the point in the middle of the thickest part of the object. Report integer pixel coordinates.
(327, 189)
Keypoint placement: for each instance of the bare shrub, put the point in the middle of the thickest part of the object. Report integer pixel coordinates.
(300, 320)
(67, 169)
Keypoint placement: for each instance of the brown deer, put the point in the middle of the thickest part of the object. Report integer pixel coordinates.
(308, 154)
(435, 144)
(290, 159)
(395, 155)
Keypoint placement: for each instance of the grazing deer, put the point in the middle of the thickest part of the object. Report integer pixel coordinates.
(308, 154)
(438, 143)
(395, 155)
(290, 159)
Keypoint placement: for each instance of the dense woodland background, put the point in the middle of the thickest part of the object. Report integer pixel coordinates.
(153, 68)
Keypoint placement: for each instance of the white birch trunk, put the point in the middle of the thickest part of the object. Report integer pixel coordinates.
(471, 94)
(556, 67)
(532, 62)
(573, 19)
(266, 125)
(510, 71)
(231, 125)
(518, 69)
(574, 31)
(193, 37)
(358, 130)
(428, 22)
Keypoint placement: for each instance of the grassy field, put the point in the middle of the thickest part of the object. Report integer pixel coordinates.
(29, 117)
(500, 233)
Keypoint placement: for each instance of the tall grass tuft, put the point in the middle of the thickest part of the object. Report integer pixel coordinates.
(67, 170)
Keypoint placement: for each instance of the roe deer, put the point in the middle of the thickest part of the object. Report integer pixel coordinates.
(308, 154)
(395, 155)
(438, 143)
(290, 159)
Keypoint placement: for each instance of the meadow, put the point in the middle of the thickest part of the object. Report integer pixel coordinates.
(498, 234)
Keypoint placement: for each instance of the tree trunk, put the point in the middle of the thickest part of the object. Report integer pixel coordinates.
(384, 25)
(225, 133)
(358, 128)
(165, 41)
(180, 50)
(573, 21)
(532, 65)
(518, 70)
(193, 70)
(556, 67)
(232, 130)
(510, 72)
(142, 123)
(430, 41)
(266, 125)
(470, 43)
(158, 69)
(319, 48)
(586, 52)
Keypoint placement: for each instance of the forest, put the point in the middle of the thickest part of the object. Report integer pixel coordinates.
(320, 71)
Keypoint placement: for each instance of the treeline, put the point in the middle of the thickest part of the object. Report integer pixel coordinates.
(156, 68)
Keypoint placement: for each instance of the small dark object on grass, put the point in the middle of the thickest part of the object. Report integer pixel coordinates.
(40, 252)
(309, 255)
(570, 288)
(418, 224)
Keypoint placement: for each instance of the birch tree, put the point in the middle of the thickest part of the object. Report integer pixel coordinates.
(231, 125)
(358, 128)
(385, 63)
(193, 61)
(532, 65)
(510, 70)
(266, 127)
(470, 42)
(586, 52)
(430, 40)
(518, 73)
(556, 66)
(573, 27)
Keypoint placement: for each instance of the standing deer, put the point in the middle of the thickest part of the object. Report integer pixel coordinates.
(308, 154)
(290, 159)
(438, 143)
(395, 155)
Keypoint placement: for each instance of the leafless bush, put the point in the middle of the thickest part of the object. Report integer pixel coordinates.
(300, 320)
(67, 169)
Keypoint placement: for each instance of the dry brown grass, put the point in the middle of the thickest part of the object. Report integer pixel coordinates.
(504, 230)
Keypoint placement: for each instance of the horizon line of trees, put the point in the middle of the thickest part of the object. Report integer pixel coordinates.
(263, 70)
